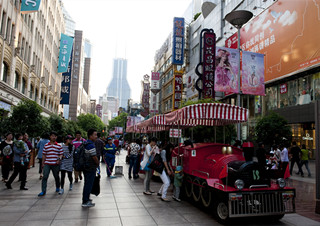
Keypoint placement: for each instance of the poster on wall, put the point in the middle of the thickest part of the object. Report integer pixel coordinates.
(226, 72)
(252, 73)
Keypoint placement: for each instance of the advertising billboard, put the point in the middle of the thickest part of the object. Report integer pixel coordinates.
(66, 83)
(178, 87)
(287, 33)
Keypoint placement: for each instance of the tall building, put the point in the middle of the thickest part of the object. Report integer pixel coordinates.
(119, 86)
(87, 48)
(29, 55)
(69, 23)
(80, 81)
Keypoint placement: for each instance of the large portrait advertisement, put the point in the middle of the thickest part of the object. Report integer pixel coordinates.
(252, 73)
(226, 73)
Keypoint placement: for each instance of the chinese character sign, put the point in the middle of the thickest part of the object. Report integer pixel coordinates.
(178, 41)
(209, 49)
(176, 133)
(66, 44)
(226, 71)
(29, 6)
(65, 84)
(178, 87)
(145, 98)
(283, 88)
(252, 73)
(155, 77)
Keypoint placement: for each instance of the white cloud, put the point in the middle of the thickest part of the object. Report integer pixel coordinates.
(266, 25)
(288, 18)
(258, 24)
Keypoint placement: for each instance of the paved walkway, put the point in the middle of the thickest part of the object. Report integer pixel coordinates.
(121, 202)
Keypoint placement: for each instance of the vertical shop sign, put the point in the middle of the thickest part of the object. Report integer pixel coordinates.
(66, 83)
(30, 6)
(283, 88)
(178, 41)
(146, 98)
(178, 86)
(66, 44)
(209, 49)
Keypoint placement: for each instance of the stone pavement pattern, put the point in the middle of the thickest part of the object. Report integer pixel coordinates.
(121, 202)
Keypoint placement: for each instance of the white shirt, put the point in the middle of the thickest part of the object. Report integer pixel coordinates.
(284, 155)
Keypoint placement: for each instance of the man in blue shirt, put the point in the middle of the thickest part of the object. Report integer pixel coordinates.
(109, 155)
(40, 146)
(89, 172)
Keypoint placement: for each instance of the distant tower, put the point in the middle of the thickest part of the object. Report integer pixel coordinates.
(119, 86)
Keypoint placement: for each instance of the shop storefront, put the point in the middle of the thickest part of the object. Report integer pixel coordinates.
(305, 134)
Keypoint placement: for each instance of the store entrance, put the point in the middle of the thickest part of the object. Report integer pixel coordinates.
(304, 133)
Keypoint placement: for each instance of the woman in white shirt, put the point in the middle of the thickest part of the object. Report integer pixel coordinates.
(147, 158)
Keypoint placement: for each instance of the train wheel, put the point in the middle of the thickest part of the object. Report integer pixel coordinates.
(206, 195)
(188, 187)
(222, 212)
(196, 190)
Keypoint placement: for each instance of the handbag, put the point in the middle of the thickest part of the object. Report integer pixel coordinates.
(157, 164)
(146, 167)
(96, 185)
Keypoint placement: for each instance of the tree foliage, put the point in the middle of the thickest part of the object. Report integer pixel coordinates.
(118, 121)
(273, 129)
(89, 121)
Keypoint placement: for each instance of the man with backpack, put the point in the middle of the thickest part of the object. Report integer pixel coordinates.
(51, 158)
(76, 143)
(90, 167)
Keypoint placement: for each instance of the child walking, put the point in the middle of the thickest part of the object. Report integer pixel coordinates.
(178, 177)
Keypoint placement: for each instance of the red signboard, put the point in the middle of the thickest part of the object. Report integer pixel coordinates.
(178, 86)
(209, 55)
(232, 41)
(283, 88)
(145, 99)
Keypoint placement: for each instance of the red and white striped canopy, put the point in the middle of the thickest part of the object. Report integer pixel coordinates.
(207, 114)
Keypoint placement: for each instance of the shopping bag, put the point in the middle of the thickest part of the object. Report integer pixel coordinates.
(157, 164)
(96, 185)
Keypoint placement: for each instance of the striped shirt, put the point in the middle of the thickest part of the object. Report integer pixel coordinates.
(67, 161)
(52, 153)
(77, 143)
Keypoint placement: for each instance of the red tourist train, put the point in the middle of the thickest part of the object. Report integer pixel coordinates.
(218, 177)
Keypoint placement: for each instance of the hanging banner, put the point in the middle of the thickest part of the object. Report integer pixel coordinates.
(145, 99)
(252, 73)
(30, 6)
(66, 83)
(178, 86)
(178, 41)
(209, 50)
(132, 120)
(155, 82)
(226, 72)
(66, 44)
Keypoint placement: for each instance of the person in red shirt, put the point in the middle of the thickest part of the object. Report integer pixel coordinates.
(116, 142)
(51, 159)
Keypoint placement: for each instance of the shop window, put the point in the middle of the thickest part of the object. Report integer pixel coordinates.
(283, 95)
(316, 87)
(304, 90)
(16, 80)
(293, 93)
(5, 72)
(271, 98)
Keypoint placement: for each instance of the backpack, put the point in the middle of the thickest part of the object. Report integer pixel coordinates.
(79, 158)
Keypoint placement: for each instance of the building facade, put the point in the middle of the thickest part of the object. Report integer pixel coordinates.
(119, 86)
(80, 81)
(29, 51)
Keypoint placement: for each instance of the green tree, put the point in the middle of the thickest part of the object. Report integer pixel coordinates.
(58, 124)
(273, 129)
(88, 121)
(26, 117)
(118, 121)
(72, 127)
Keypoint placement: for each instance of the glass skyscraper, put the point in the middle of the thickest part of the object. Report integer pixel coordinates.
(119, 86)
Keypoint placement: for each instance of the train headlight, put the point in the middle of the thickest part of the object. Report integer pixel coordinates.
(224, 150)
(229, 150)
(281, 182)
(239, 184)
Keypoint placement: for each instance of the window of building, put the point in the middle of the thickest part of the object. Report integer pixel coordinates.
(24, 83)
(41, 99)
(31, 91)
(304, 90)
(36, 95)
(3, 24)
(8, 31)
(5, 72)
(16, 80)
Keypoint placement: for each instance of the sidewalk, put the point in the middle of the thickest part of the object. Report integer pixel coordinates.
(311, 180)
(120, 202)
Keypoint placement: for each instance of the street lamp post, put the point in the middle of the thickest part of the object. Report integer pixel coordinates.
(238, 18)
